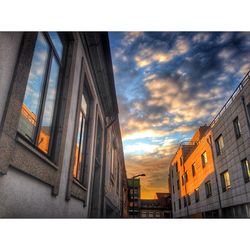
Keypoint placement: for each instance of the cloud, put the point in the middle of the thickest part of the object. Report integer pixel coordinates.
(147, 56)
(131, 37)
(201, 37)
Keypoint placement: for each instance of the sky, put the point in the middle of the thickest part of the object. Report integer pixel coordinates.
(168, 84)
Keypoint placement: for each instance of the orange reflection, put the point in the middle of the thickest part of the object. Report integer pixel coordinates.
(190, 154)
(76, 161)
(44, 137)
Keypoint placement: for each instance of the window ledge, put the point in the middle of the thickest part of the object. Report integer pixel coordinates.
(79, 184)
(36, 152)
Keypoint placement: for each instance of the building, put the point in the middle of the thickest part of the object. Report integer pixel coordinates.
(134, 197)
(60, 145)
(231, 146)
(156, 208)
(209, 174)
(193, 181)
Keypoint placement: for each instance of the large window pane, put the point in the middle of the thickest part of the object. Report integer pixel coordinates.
(46, 125)
(34, 89)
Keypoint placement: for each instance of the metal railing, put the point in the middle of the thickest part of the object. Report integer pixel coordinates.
(231, 99)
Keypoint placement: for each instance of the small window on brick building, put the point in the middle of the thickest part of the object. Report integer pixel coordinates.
(225, 181)
(237, 128)
(208, 188)
(219, 145)
(204, 159)
(245, 169)
(193, 169)
(197, 195)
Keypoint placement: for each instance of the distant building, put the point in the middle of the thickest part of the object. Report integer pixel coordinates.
(134, 197)
(209, 176)
(60, 143)
(156, 208)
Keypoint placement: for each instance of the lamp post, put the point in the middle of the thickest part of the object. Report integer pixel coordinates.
(133, 181)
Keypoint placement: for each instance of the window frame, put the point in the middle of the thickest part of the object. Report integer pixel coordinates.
(86, 93)
(218, 147)
(203, 162)
(179, 202)
(237, 128)
(245, 171)
(223, 182)
(197, 195)
(193, 169)
(208, 188)
(41, 106)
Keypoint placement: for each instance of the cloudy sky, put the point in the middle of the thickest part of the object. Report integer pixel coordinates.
(168, 84)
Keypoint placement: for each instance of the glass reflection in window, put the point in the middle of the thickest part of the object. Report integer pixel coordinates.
(46, 126)
(79, 152)
(33, 93)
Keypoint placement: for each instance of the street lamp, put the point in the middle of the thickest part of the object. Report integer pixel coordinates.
(133, 181)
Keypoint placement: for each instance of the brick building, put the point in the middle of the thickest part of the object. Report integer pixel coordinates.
(60, 144)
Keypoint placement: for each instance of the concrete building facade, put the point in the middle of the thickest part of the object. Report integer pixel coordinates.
(60, 144)
(231, 146)
(209, 175)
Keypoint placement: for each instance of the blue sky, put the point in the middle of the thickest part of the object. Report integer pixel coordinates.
(168, 84)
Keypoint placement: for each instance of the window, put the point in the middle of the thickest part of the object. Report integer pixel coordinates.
(151, 214)
(183, 179)
(208, 188)
(38, 114)
(219, 145)
(246, 170)
(80, 147)
(186, 176)
(178, 184)
(185, 201)
(179, 203)
(193, 169)
(237, 128)
(188, 200)
(204, 159)
(225, 181)
(181, 161)
(197, 195)
(157, 214)
(173, 189)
